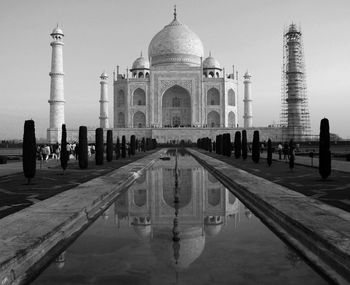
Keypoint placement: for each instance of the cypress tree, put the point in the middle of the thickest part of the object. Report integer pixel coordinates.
(132, 144)
(291, 154)
(29, 150)
(228, 145)
(143, 145)
(83, 148)
(238, 144)
(109, 150)
(324, 167)
(256, 147)
(123, 147)
(244, 145)
(117, 149)
(64, 155)
(99, 146)
(269, 152)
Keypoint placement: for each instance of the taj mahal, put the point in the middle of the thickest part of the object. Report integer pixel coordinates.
(173, 94)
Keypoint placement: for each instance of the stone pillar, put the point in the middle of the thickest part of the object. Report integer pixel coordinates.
(56, 100)
(104, 101)
(248, 112)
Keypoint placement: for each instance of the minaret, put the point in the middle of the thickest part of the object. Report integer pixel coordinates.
(104, 101)
(248, 112)
(56, 87)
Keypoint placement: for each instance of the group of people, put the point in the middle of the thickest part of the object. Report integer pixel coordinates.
(288, 151)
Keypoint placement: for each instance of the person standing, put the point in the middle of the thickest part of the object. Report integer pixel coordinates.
(280, 148)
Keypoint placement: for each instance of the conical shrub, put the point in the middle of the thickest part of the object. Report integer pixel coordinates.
(123, 147)
(269, 152)
(244, 145)
(29, 150)
(325, 160)
(117, 149)
(109, 150)
(238, 144)
(99, 146)
(83, 148)
(64, 155)
(256, 147)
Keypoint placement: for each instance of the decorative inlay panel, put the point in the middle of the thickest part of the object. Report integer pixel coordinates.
(166, 84)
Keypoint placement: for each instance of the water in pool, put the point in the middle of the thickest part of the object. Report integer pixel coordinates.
(190, 232)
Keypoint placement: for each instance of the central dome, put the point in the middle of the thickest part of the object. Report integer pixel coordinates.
(175, 44)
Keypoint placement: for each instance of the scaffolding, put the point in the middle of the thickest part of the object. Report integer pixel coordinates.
(295, 116)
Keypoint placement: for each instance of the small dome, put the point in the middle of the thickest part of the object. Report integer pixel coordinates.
(143, 231)
(175, 44)
(211, 62)
(140, 63)
(57, 31)
(104, 75)
(247, 74)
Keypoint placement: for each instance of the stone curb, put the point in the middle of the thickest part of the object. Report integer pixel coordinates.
(27, 236)
(319, 232)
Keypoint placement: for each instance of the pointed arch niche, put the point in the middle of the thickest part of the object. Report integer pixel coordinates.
(213, 119)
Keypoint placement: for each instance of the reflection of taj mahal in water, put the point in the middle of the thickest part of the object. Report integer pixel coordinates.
(204, 207)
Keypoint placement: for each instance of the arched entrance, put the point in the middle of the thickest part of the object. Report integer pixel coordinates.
(139, 120)
(176, 107)
(213, 119)
(231, 120)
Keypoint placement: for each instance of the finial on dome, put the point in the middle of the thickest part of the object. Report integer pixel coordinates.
(141, 54)
(175, 14)
(210, 53)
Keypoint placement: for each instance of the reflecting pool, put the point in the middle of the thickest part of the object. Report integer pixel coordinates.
(178, 225)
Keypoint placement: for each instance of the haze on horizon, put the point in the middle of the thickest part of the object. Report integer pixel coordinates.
(99, 35)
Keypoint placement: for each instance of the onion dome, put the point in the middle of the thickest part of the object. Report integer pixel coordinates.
(175, 44)
(211, 63)
(57, 31)
(140, 63)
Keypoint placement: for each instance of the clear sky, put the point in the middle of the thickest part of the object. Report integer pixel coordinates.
(102, 34)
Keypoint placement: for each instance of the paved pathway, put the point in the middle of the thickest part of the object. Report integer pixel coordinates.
(339, 165)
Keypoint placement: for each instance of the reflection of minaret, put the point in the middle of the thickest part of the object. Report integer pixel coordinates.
(60, 260)
(176, 232)
(56, 87)
(104, 101)
(248, 113)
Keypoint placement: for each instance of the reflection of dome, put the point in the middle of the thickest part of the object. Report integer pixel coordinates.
(211, 62)
(143, 231)
(175, 43)
(140, 63)
(212, 230)
(191, 243)
(212, 225)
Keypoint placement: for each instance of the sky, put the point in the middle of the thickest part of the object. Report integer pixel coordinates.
(99, 35)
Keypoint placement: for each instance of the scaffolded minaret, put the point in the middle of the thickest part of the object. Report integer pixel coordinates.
(56, 100)
(295, 118)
